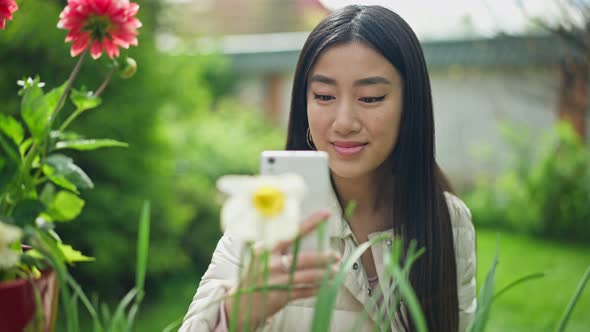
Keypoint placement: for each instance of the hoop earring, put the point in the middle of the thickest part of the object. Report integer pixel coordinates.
(309, 140)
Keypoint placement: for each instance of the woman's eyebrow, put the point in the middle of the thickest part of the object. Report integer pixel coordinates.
(361, 82)
(322, 79)
(372, 80)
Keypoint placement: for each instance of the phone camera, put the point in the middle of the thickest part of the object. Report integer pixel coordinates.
(271, 160)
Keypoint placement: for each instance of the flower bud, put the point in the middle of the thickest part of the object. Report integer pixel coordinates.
(127, 68)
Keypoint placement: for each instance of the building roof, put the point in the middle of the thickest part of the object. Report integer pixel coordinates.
(276, 52)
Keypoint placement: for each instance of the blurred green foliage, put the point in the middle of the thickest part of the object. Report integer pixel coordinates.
(183, 132)
(545, 190)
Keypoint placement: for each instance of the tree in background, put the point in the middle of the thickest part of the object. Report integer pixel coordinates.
(572, 24)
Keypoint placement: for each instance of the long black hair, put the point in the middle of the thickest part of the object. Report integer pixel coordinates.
(420, 211)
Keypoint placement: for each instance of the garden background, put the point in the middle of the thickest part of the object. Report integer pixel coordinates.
(194, 112)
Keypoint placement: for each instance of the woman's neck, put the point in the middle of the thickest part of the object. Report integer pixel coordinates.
(372, 195)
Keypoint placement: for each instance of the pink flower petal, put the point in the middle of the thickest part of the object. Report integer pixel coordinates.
(122, 31)
(7, 7)
(96, 50)
(79, 45)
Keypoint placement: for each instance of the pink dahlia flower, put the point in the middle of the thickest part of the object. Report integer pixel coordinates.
(100, 24)
(7, 7)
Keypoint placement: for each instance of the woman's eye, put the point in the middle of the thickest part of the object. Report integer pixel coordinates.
(371, 100)
(322, 97)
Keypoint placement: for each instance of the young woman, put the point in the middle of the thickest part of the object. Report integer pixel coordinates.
(362, 94)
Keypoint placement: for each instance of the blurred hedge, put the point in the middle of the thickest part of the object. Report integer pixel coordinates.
(178, 147)
(545, 191)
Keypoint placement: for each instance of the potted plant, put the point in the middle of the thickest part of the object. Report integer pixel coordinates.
(39, 183)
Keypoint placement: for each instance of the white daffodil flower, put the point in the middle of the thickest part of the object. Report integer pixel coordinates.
(8, 234)
(263, 209)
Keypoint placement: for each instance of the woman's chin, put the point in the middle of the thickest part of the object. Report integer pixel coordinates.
(349, 171)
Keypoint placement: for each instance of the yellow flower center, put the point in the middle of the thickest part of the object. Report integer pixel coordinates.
(269, 201)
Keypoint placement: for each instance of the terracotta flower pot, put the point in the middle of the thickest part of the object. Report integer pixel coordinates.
(17, 302)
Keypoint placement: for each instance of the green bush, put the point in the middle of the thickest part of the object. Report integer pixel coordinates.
(544, 192)
(227, 141)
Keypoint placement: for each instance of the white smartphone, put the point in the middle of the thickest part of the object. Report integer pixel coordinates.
(314, 168)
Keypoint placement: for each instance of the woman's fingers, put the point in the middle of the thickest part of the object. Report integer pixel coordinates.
(305, 260)
(305, 228)
(302, 293)
(305, 278)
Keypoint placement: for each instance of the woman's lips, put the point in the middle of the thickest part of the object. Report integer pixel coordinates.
(348, 148)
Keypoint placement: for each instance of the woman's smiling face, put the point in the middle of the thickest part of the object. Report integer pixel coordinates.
(354, 105)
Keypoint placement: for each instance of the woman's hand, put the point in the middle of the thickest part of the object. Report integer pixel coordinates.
(309, 272)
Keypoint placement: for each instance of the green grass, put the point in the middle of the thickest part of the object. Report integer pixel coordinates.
(536, 305)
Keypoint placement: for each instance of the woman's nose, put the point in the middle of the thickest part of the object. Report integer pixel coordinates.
(346, 120)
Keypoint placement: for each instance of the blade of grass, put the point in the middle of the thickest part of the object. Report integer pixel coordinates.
(327, 295)
(407, 293)
(292, 268)
(174, 325)
(49, 249)
(485, 297)
(517, 282)
(86, 302)
(574, 301)
(401, 277)
(119, 313)
(133, 312)
(75, 312)
(106, 314)
(143, 239)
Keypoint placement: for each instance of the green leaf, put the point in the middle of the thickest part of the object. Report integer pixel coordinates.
(52, 97)
(65, 135)
(12, 128)
(58, 179)
(65, 206)
(10, 148)
(89, 144)
(62, 171)
(26, 211)
(8, 169)
(47, 194)
(72, 255)
(35, 111)
(84, 100)
(26, 144)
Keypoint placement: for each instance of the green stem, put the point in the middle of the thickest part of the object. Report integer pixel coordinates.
(234, 317)
(266, 276)
(69, 120)
(105, 82)
(98, 92)
(252, 276)
(71, 79)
